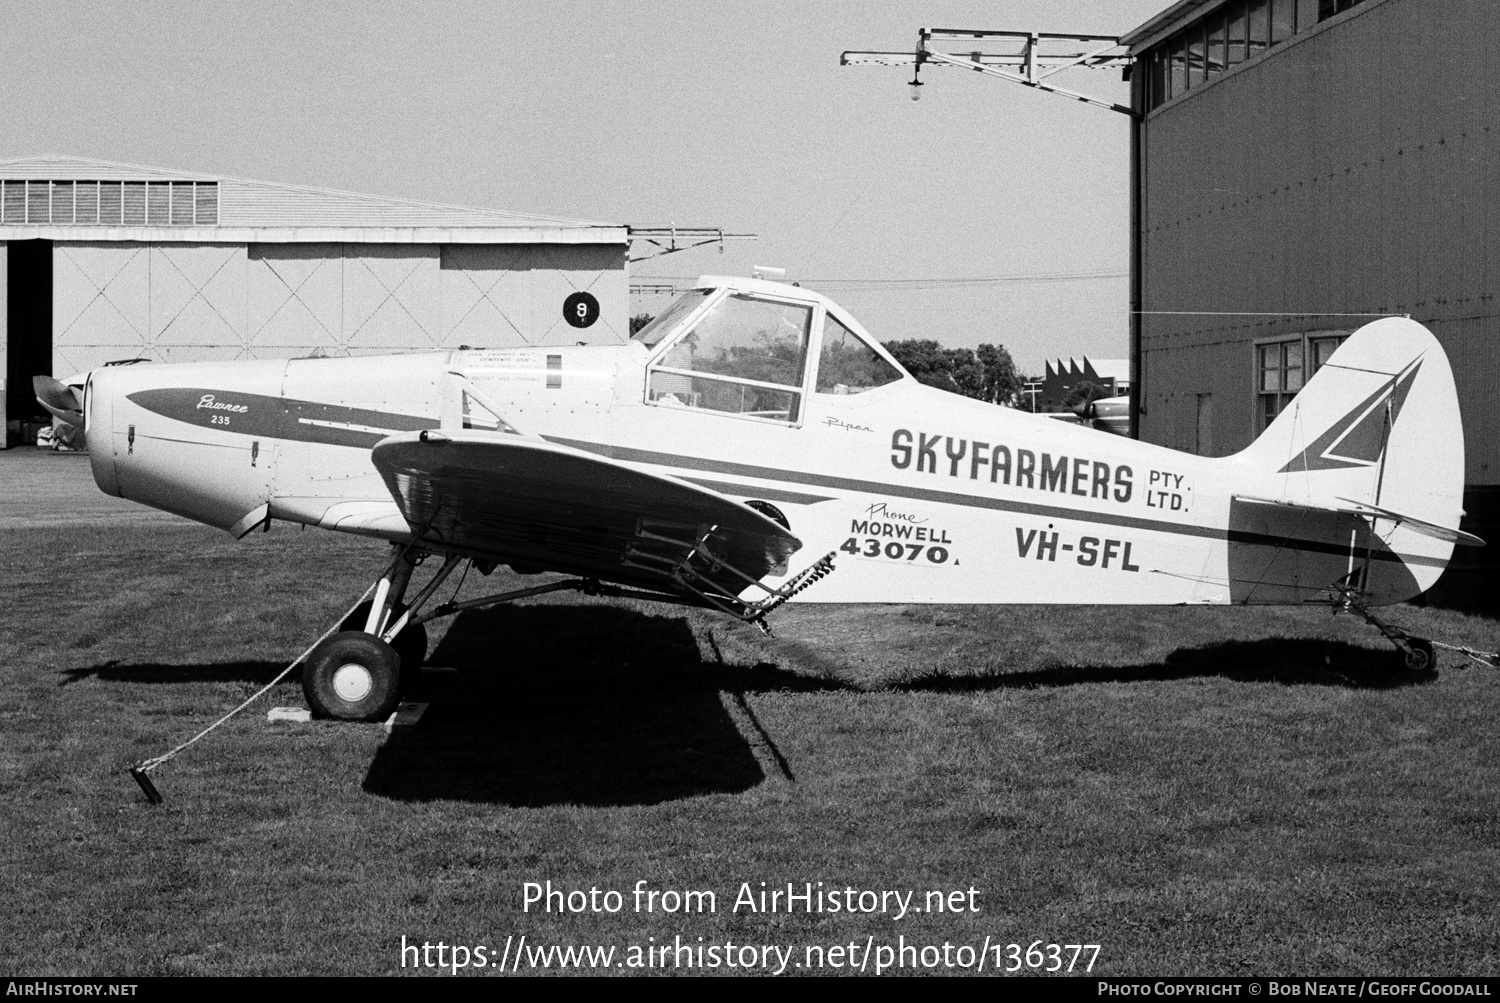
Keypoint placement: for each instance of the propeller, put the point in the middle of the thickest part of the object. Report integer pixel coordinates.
(63, 403)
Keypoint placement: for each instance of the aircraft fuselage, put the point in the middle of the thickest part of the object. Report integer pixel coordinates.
(923, 496)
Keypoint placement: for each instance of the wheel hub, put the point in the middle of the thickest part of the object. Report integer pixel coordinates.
(352, 682)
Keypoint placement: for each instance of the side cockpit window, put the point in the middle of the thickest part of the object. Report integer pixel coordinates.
(745, 356)
(847, 365)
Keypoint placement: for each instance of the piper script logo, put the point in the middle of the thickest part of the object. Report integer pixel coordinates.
(1357, 439)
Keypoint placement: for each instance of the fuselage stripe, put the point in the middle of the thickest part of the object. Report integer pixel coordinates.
(678, 462)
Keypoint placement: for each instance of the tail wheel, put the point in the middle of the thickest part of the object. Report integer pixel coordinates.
(352, 676)
(1420, 657)
(410, 644)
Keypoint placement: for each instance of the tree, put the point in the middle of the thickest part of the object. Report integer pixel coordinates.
(1002, 383)
(988, 374)
(639, 321)
(1083, 393)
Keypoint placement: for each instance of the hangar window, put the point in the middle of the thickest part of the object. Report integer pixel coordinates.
(13, 202)
(1278, 377)
(108, 203)
(62, 201)
(745, 356)
(86, 202)
(181, 198)
(1257, 28)
(1219, 41)
(206, 203)
(134, 202)
(1196, 58)
(37, 203)
(158, 205)
(1328, 8)
(1319, 349)
(1283, 367)
(1236, 22)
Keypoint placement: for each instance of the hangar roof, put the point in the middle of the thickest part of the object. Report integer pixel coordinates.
(73, 198)
(1150, 32)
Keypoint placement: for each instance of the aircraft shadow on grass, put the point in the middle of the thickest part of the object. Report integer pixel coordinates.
(113, 671)
(589, 705)
(602, 705)
(1287, 661)
(599, 705)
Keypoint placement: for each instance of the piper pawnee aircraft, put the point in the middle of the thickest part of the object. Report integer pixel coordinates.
(754, 437)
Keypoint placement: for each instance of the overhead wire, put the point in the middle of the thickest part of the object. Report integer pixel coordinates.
(922, 284)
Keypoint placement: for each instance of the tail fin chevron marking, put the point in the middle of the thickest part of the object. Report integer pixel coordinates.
(1356, 439)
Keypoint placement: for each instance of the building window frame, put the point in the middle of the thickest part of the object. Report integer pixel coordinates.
(1231, 34)
(1297, 359)
(1328, 8)
(1278, 377)
(1321, 345)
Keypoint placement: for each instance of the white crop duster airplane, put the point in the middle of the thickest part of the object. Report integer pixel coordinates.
(753, 424)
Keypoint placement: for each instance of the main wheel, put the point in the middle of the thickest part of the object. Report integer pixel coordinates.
(1420, 657)
(410, 644)
(352, 676)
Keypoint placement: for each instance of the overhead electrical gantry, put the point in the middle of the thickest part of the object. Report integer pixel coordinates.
(1029, 58)
(660, 240)
(1033, 59)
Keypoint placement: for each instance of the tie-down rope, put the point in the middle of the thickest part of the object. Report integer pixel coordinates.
(141, 769)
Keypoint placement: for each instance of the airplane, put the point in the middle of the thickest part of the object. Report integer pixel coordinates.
(754, 444)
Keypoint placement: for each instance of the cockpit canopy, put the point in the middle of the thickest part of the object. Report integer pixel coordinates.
(742, 347)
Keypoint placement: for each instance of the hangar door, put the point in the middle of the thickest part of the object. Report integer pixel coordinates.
(26, 337)
(177, 301)
(365, 298)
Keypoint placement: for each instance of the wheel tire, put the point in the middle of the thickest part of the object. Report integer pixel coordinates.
(1420, 657)
(352, 676)
(410, 644)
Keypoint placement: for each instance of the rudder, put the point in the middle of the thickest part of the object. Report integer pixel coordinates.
(1377, 429)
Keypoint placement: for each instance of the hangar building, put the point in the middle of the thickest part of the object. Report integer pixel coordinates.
(1300, 159)
(103, 261)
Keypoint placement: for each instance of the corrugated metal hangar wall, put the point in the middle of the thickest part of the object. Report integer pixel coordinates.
(106, 262)
(181, 301)
(1350, 165)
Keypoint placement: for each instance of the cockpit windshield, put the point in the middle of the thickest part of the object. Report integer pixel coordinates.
(745, 352)
(665, 321)
(745, 355)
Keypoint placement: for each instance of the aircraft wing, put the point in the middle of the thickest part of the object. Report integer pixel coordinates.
(538, 506)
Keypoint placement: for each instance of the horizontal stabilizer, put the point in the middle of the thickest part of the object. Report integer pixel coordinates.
(1368, 511)
(1432, 529)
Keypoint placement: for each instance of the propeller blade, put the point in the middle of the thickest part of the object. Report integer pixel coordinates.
(69, 435)
(56, 396)
(74, 418)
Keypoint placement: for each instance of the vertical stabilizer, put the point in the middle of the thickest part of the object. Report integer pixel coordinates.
(1378, 428)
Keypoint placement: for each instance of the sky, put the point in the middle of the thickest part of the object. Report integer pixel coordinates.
(726, 114)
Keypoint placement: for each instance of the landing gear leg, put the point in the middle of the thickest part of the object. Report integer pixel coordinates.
(1418, 651)
(410, 641)
(355, 675)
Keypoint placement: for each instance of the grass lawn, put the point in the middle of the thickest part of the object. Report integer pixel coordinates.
(1197, 790)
